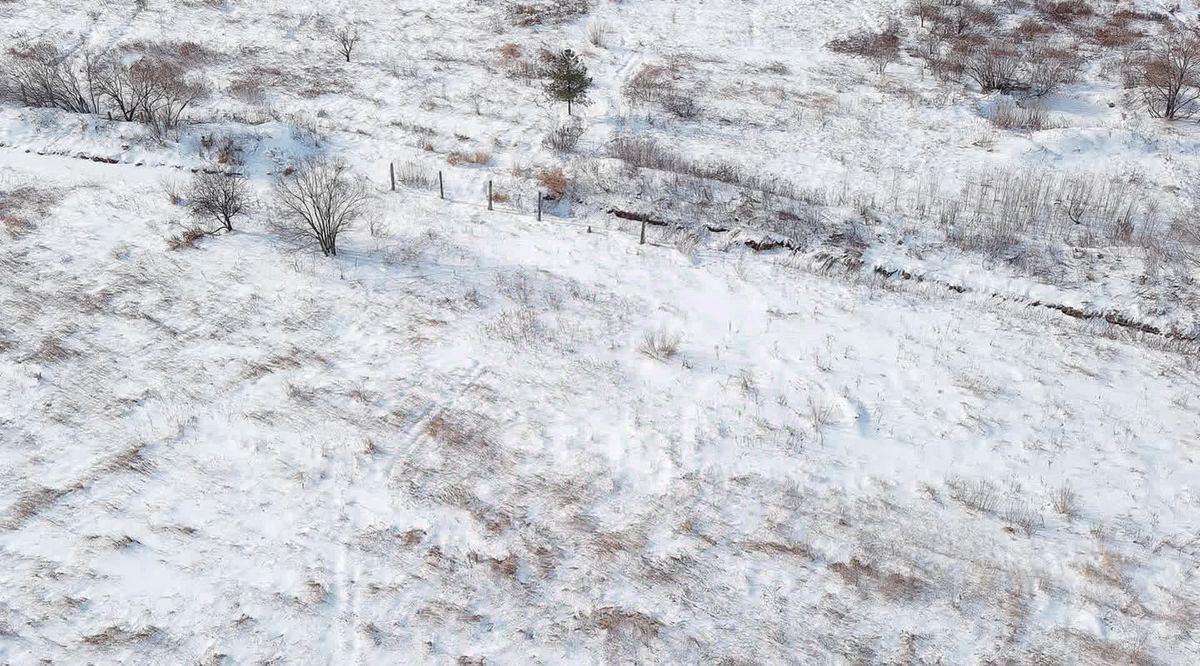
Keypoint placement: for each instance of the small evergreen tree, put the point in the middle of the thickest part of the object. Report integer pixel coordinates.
(569, 80)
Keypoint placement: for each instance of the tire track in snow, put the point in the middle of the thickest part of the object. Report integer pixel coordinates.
(346, 594)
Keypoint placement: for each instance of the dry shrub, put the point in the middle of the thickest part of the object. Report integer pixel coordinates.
(412, 174)
(1014, 67)
(1065, 500)
(977, 494)
(1030, 118)
(648, 85)
(185, 239)
(654, 84)
(564, 138)
(1031, 28)
(1063, 11)
(458, 158)
(555, 182)
(509, 52)
(543, 12)
(1115, 34)
(660, 345)
(880, 48)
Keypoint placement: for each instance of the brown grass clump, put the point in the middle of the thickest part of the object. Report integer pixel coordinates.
(458, 158)
(555, 182)
(510, 51)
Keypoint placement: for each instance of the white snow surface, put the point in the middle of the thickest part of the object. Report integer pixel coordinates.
(447, 445)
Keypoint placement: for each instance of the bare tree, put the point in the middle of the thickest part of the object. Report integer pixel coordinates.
(321, 198)
(218, 196)
(347, 38)
(125, 86)
(171, 93)
(1170, 77)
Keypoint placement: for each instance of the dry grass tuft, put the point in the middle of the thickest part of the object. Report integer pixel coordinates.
(660, 345)
(466, 430)
(479, 157)
(555, 182)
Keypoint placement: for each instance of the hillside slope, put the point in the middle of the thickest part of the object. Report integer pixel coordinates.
(477, 437)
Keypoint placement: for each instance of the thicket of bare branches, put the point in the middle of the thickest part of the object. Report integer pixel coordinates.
(150, 89)
(1170, 77)
(964, 41)
(44, 76)
(880, 48)
(218, 196)
(320, 199)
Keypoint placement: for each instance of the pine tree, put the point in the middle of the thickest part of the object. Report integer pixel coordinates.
(569, 80)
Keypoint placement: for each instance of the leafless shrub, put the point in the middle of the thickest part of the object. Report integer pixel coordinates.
(186, 238)
(1022, 515)
(172, 190)
(1065, 500)
(880, 48)
(546, 12)
(1032, 117)
(1117, 33)
(321, 199)
(411, 174)
(648, 85)
(221, 149)
(1001, 212)
(1170, 77)
(993, 67)
(1046, 69)
(1064, 11)
(660, 345)
(681, 104)
(653, 84)
(248, 89)
(978, 494)
(347, 37)
(519, 327)
(564, 138)
(218, 196)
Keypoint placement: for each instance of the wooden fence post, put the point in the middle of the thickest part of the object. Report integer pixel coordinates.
(392, 171)
(643, 241)
(539, 213)
(489, 195)
(441, 187)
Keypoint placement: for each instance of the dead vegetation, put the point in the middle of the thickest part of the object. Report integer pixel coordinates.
(660, 345)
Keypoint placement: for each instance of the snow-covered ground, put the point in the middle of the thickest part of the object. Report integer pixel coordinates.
(453, 443)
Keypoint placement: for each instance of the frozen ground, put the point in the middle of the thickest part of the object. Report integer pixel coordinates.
(448, 444)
